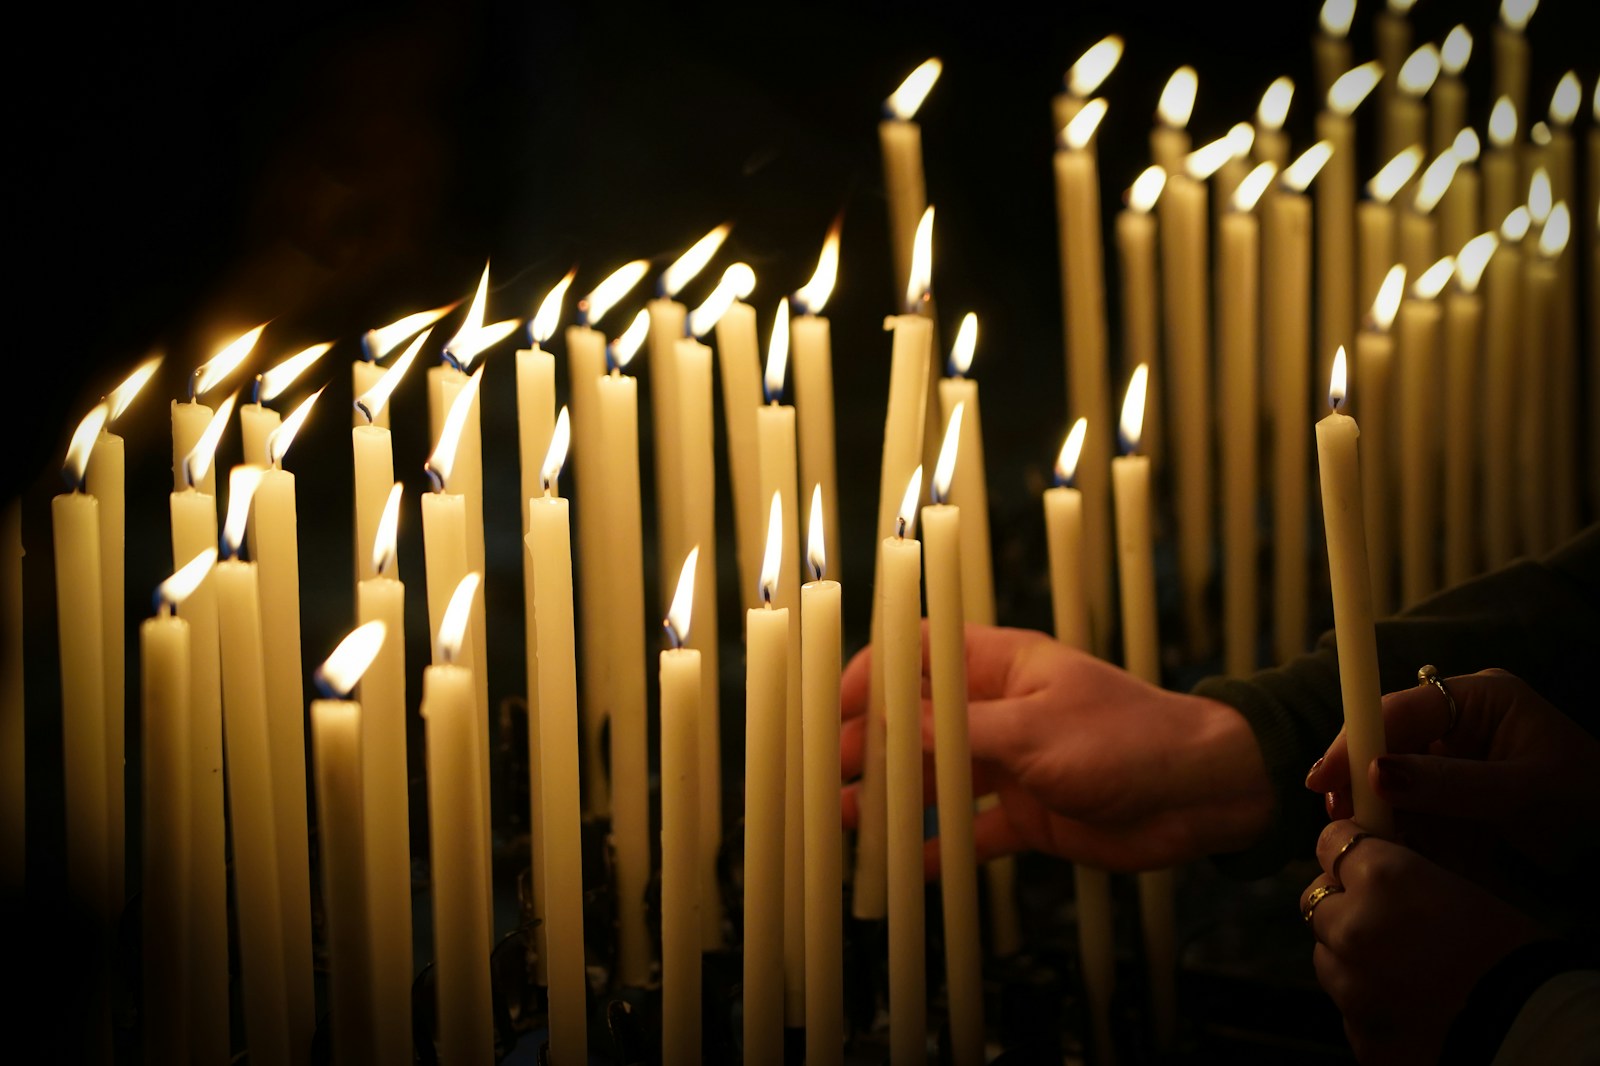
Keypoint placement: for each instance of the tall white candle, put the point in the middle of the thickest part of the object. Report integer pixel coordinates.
(1501, 375)
(1462, 373)
(373, 450)
(1375, 370)
(1420, 439)
(739, 366)
(1169, 141)
(813, 386)
(680, 815)
(1331, 46)
(1335, 200)
(900, 138)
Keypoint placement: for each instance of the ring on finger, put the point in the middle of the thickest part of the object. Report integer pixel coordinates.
(1338, 856)
(1318, 894)
(1429, 675)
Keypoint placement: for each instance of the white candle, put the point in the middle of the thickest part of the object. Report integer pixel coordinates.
(900, 139)
(1420, 439)
(1511, 52)
(365, 372)
(373, 450)
(1169, 141)
(680, 815)
(1534, 473)
(1084, 77)
(1405, 115)
(739, 366)
(1462, 372)
(813, 386)
(1331, 46)
(1502, 342)
(1448, 99)
(257, 421)
(1376, 219)
(1335, 200)
(1271, 144)
(1375, 369)
(1136, 252)
(190, 419)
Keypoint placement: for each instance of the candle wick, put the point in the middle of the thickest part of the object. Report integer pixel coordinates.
(434, 477)
(255, 391)
(672, 633)
(194, 378)
(900, 529)
(366, 412)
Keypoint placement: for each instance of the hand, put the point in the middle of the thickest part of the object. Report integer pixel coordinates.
(1401, 947)
(1515, 773)
(1089, 762)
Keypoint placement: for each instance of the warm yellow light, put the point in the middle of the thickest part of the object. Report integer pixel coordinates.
(1431, 282)
(904, 101)
(82, 444)
(1466, 146)
(280, 377)
(1516, 225)
(548, 317)
(688, 265)
(1540, 197)
(1299, 174)
(1503, 123)
(475, 312)
(386, 539)
(966, 343)
(1094, 66)
(944, 471)
(1080, 131)
(777, 354)
(737, 282)
(1539, 134)
(606, 294)
(1353, 86)
(225, 362)
(772, 557)
(906, 519)
(1387, 303)
(177, 588)
(1337, 381)
(1394, 175)
(1564, 102)
(381, 341)
(1401, 7)
(372, 402)
(1557, 229)
(443, 460)
(466, 349)
(453, 626)
(1419, 71)
(555, 457)
(1253, 185)
(1071, 449)
(920, 278)
(1242, 136)
(625, 347)
(1336, 17)
(1177, 98)
(243, 480)
(813, 296)
(816, 542)
(1132, 422)
(1206, 160)
(1472, 259)
(1514, 14)
(1435, 180)
(1274, 106)
(342, 671)
(198, 462)
(283, 435)
(1455, 51)
(681, 613)
(1146, 189)
(121, 396)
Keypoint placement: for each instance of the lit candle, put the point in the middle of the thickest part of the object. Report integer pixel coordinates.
(1406, 116)
(820, 663)
(1463, 345)
(549, 552)
(1392, 33)
(1335, 200)
(270, 1029)
(1271, 144)
(766, 723)
(1458, 210)
(1419, 230)
(190, 418)
(349, 885)
(367, 371)
(680, 815)
(1565, 447)
(900, 139)
(1083, 308)
(811, 335)
(1376, 220)
(373, 450)
(739, 359)
(1511, 52)
(1084, 77)
(1169, 141)
(1501, 378)
(968, 489)
(1448, 101)
(256, 420)
(459, 832)
(1240, 138)
(1341, 471)
(1500, 193)
(1538, 382)
(1419, 439)
(1331, 46)
(1136, 251)
(1375, 371)
(952, 751)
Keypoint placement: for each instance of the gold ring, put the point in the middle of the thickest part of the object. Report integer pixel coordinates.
(1338, 857)
(1318, 894)
(1429, 675)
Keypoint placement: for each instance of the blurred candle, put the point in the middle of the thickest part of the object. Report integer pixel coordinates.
(1419, 230)
(1534, 474)
(1448, 99)
(811, 335)
(1331, 46)
(900, 139)
(1500, 192)
(1136, 252)
(1459, 208)
(739, 358)
(1376, 219)
(680, 815)
(1271, 144)
(1463, 345)
(1375, 371)
(1511, 52)
(1406, 116)
(1169, 141)
(373, 450)
(1392, 36)
(1335, 200)
(1565, 387)
(1420, 439)
(1502, 377)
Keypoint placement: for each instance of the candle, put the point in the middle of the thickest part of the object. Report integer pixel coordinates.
(820, 662)
(1238, 341)
(1502, 375)
(1331, 47)
(680, 815)
(1141, 650)
(1169, 141)
(386, 792)
(952, 750)
(902, 448)
(1463, 342)
(1084, 77)
(459, 834)
(1538, 384)
(256, 420)
(1406, 115)
(1420, 438)
(1458, 209)
(1500, 195)
(586, 362)
(1392, 33)
(349, 886)
(1136, 251)
(1341, 472)
(968, 490)
(190, 419)
(1565, 446)
(1336, 321)
(373, 450)
(1376, 221)
(549, 552)
(1449, 96)
(900, 139)
(766, 724)
(738, 355)
(1241, 136)
(1511, 52)
(366, 372)
(1374, 368)
(811, 336)
(1419, 230)
(164, 676)
(1286, 322)
(1084, 323)
(270, 1026)
(13, 732)
(1271, 144)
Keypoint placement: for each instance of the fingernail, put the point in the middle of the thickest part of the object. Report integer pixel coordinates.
(1330, 801)
(1312, 772)
(1394, 776)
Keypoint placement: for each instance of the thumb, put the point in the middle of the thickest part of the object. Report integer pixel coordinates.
(1453, 788)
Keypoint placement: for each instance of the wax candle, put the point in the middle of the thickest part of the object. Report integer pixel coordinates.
(900, 139)
(1463, 344)
(1169, 141)
(739, 365)
(1534, 475)
(1419, 229)
(366, 371)
(1500, 192)
(1376, 218)
(1419, 438)
(1375, 369)
(811, 336)
(1406, 116)
(459, 833)
(1235, 165)
(1331, 46)
(1511, 52)
(820, 663)
(549, 552)
(680, 816)
(13, 732)
(1459, 207)
(190, 419)
(373, 450)
(1448, 99)
(1501, 379)
(1271, 144)
(349, 886)
(1083, 308)
(256, 420)
(272, 1031)
(1565, 447)
(1083, 78)
(968, 490)
(1341, 471)
(1335, 200)
(1136, 252)
(1392, 36)
(766, 726)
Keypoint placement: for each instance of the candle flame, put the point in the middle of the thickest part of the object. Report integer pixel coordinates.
(1274, 106)
(772, 557)
(1466, 146)
(465, 348)
(1431, 282)
(181, 585)
(902, 104)
(475, 311)
(681, 612)
(625, 347)
(372, 402)
(1473, 259)
(1539, 134)
(777, 354)
(280, 377)
(1336, 17)
(198, 462)
(1540, 196)
(385, 539)
(1455, 51)
(813, 296)
(225, 362)
(123, 395)
(1514, 14)
(1516, 225)
(1564, 101)
(342, 671)
(555, 457)
(688, 265)
(1094, 66)
(1146, 189)
(1353, 86)
(381, 341)
(737, 282)
(1557, 229)
(443, 460)
(548, 317)
(1299, 174)
(453, 626)
(1395, 173)
(1242, 136)
(816, 542)
(1253, 185)
(1071, 449)
(1503, 123)
(906, 519)
(1435, 181)
(1337, 383)
(1387, 303)
(243, 480)
(1177, 98)
(1419, 71)
(1081, 130)
(616, 285)
(965, 345)
(944, 471)
(1206, 160)
(921, 276)
(81, 446)
(1132, 422)
(279, 439)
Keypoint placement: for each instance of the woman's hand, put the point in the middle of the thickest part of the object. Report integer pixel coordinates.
(1403, 944)
(1089, 762)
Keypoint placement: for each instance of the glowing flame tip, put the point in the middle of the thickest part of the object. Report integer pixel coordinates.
(548, 316)
(1081, 130)
(177, 588)
(123, 395)
(1177, 98)
(1473, 258)
(1071, 450)
(453, 626)
(687, 266)
(681, 613)
(616, 285)
(903, 103)
(243, 481)
(225, 362)
(772, 557)
(280, 377)
(1274, 106)
(813, 296)
(965, 345)
(1146, 189)
(1336, 17)
(556, 455)
(1387, 303)
(82, 444)
(1353, 86)
(387, 535)
(944, 471)
(1557, 229)
(339, 674)
(1419, 71)
(816, 542)
(1337, 381)
(1253, 185)
(921, 274)
(1094, 66)
(1455, 51)
(907, 515)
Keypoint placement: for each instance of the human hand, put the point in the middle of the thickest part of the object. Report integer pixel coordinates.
(1089, 762)
(1401, 943)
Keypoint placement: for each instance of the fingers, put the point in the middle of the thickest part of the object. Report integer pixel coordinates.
(1337, 843)
(1318, 902)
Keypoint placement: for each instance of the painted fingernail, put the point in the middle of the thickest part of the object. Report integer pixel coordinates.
(1394, 776)
(1330, 800)
(1312, 772)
